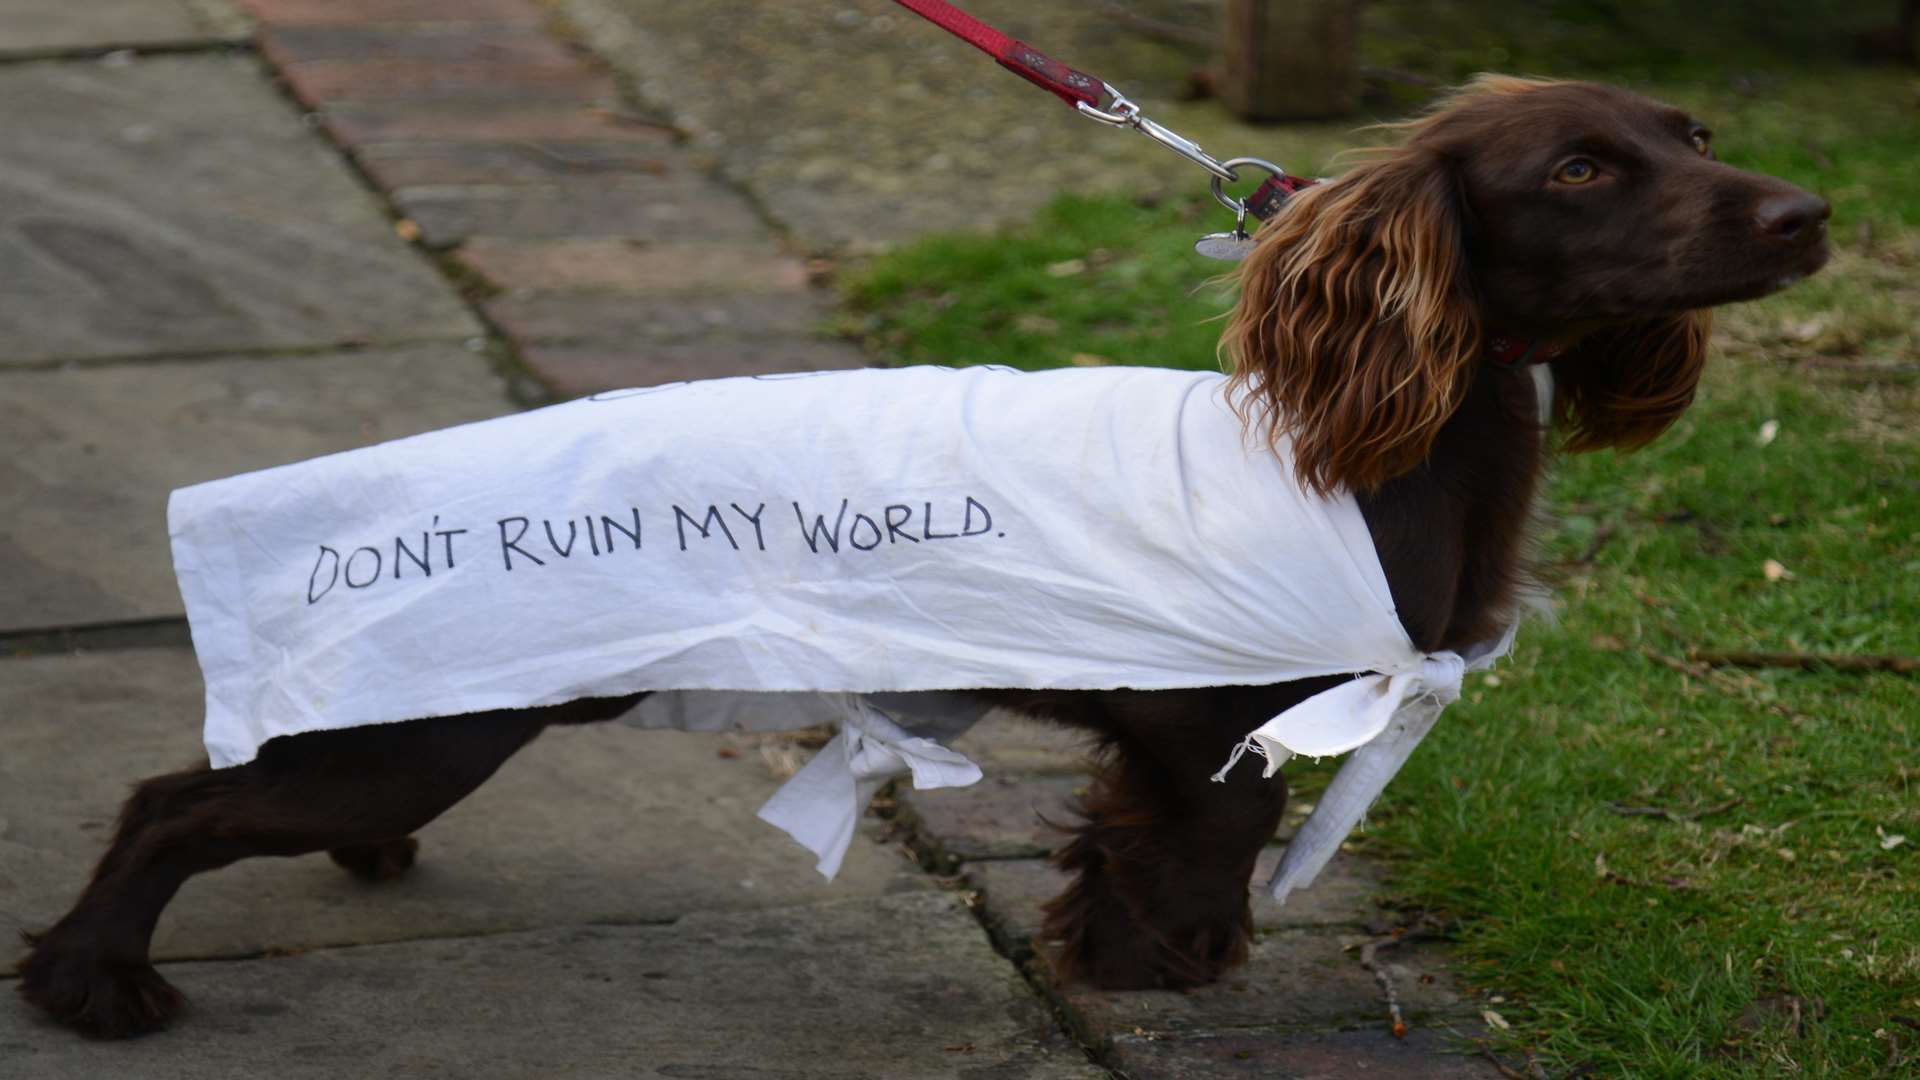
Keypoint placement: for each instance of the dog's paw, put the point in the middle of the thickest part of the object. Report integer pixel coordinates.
(98, 998)
(381, 861)
(1103, 940)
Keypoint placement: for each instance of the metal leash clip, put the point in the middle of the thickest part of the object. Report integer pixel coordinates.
(1125, 113)
(1230, 246)
(1233, 246)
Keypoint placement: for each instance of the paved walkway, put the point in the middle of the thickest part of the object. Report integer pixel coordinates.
(860, 125)
(231, 239)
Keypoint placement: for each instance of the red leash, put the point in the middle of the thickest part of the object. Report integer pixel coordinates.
(1043, 71)
(1087, 93)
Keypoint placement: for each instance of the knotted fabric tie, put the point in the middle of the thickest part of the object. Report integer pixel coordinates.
(1350, 715)
(1380, 718)
(820, 806)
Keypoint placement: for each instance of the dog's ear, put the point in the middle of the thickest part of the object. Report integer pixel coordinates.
(1356, 329)
(1624, 386)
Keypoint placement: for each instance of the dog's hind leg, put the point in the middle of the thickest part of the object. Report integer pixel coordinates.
(353, 790)
(386, 860)
(382, 860)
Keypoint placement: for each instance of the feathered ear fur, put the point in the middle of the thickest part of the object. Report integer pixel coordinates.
(1624, 386)
(1356, 329)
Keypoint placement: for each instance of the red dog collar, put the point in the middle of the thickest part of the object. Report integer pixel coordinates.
(1509, 351)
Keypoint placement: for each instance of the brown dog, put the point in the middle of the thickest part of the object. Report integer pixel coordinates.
(1378, 317)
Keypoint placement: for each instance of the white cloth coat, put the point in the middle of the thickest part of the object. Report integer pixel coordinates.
(841, 534)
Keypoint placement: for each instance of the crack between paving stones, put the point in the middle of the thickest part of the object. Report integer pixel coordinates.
(932, 857)
(524, 389)
(1430, 1019)
(477, 935)
(159, 632)
(130, 51)
(1025, 856)
(264, 352)
(562, 25)
(947, 869)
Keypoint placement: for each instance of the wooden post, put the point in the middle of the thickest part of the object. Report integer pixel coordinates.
(1291, 59)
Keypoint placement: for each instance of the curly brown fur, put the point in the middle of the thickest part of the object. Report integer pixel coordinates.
(1356, 329)
(1162, 857)
(1624, 385)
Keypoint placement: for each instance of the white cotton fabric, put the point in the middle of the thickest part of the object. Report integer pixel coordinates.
(881, 737)
(1075, 529)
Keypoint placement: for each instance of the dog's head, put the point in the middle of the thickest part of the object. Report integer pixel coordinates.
(1579, 215)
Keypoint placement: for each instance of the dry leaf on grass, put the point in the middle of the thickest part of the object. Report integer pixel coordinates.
(1802, 331)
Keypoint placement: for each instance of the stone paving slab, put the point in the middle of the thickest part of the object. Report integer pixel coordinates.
(1372, 1054)
(898, 987)
(673, 210)
(1014, 889)
(1001, 817)
(397, 165)
(620, 266)
(361, 12)
(446, 80)
(1300, 979)
(574, 372)
(36, 26)
(457, 42)
(1006, 742)
(1293, 982)
(175, 204)
(361, 122)
(861, 126)
(609, 319)
(88, 457)
(600, 824)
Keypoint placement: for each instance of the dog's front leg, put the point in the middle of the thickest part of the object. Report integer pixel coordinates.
(1162, 862)
(1159, 897)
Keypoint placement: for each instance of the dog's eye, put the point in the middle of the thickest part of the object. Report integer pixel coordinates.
(1577, 171)
(1703, 141)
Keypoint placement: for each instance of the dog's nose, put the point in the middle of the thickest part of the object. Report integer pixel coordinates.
(1791, 216)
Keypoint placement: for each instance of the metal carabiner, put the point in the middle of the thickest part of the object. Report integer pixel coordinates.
(1186, 148)
(1122, 116)
(1125, 113)
(1239, 206)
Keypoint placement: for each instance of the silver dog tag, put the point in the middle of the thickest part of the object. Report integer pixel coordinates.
(1228, 246)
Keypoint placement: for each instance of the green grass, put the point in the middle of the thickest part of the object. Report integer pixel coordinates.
(1633, 944)
(1091, 278)
(1781, 887)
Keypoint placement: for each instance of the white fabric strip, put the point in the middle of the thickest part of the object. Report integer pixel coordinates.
(882, 737)
(1417, 702)
(821, 805)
